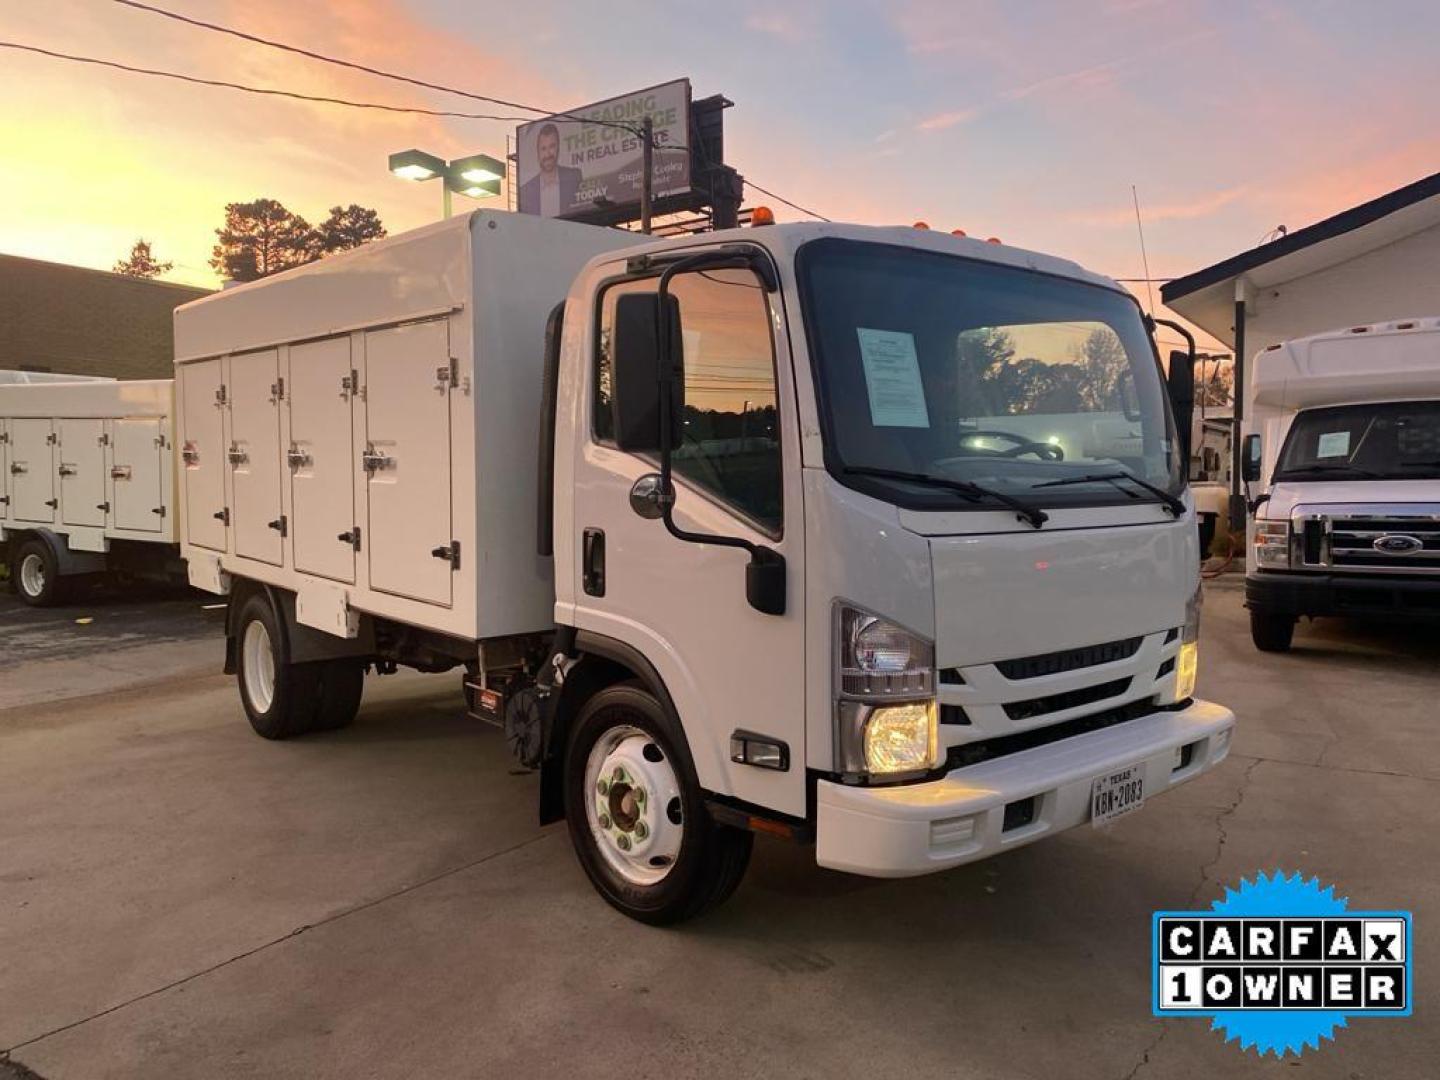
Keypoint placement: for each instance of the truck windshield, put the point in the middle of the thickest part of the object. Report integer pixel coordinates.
(1398, 441)
(1001, 377)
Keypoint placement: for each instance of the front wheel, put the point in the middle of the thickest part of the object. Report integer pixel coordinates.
(636, 814)
(1271, 632)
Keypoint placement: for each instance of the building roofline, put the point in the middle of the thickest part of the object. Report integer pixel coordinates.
(106, 273)
(1343, 222)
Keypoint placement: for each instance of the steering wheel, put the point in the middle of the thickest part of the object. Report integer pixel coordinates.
(1043, 450)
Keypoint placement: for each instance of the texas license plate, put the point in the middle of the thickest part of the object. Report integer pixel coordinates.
(1117, 794)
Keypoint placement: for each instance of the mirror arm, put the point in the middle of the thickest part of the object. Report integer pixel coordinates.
(761, 588)
(1186, 334)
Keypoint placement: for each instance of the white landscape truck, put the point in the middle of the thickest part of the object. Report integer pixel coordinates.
(87, 481)
(870, 537)
(1346, 437)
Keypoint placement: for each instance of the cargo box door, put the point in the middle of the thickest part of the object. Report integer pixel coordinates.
(139, 499)
(202, 452)
(4, 471)
(32, 471)
(322, 459)
(81, 469)
(407, 461)
(254, 454)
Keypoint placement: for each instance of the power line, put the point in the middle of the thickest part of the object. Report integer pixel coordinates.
(267, 91)
(787, 202)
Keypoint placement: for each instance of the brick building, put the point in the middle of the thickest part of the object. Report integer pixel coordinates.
(71, 319)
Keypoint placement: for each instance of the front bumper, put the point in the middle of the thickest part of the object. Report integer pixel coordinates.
(919, 828)
(1277, 592)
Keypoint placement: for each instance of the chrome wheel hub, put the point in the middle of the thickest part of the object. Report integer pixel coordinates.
(634, 807)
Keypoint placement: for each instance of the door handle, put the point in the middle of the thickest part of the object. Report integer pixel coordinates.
(16, 469)
(592, 563)
(352, 538)
(237, 456)
(67, 470)
(298, 458)
(222, 515)
(120, 472)
(278, 524)
(373, 461)
(449, 552)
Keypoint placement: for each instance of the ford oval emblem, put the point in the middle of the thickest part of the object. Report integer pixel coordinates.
(1398, 544)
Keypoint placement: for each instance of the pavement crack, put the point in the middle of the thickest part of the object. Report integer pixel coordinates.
(343, 914)
(1145, 1055)
(1224, 836)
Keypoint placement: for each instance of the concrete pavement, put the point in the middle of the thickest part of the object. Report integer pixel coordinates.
(179, 899)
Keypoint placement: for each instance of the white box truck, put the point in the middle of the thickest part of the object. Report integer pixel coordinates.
(1345, 435)
(868, 537)
(87, 481)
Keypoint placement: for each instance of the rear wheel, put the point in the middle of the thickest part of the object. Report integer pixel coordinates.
(1271, 632)
(342, 682)
(636, 814)
(280, 698)
(35, 573)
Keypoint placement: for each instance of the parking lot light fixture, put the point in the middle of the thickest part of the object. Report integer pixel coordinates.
(477, 169)
(477, 176)
(416, 165)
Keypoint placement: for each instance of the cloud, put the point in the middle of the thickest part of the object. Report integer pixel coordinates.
(941, 121)
(1200, 207)
(778, 24)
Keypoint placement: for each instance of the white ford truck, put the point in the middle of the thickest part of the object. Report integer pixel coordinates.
(872, 538)
(1346, 441)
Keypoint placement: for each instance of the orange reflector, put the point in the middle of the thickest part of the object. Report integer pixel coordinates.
(774, 828)
(993, 240)
(762, 215)
(957, 232)
(920, 225)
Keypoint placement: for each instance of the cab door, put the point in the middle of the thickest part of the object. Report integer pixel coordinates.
(683, 605)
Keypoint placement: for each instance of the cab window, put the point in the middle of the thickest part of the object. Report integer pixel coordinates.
(730, 446)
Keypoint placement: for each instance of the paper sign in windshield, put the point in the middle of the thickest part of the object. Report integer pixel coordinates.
(892, 378)
(1333, 444)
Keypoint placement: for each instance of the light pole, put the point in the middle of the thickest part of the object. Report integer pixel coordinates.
(477, 176)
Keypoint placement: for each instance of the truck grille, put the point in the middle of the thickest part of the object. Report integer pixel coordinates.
(1033, 667)
(1073, 699)
(1385, 540)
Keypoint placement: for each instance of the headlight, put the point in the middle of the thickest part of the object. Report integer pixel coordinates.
(1187, 663)
(886, 716)
(1272, 544)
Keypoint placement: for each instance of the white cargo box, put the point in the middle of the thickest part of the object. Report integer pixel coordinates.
(363, 431)
(90, 461)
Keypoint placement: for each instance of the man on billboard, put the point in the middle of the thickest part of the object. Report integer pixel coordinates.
(552, 190)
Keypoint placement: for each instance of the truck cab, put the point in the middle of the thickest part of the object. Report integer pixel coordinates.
(1346, 447)
(958, 462)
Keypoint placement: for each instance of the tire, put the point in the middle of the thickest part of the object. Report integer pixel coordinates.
(342, 682)
(35, 574)
(664, 871)
(1271, 632)
(280, 698)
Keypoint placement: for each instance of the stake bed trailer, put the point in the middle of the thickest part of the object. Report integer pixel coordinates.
(1345, 448)
(714, 602)
(87, 480)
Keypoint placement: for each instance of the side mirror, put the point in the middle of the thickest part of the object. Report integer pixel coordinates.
(765, 581)
(635, 372)
(1250, 459)
(1181, 383)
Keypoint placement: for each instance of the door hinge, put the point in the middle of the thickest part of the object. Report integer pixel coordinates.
(105, 507)
(4, 436)
(103, 440)
(349, 385)
(278, 524)
(52, 439)
(277, 390)
(221, 398)
(352, 538)
(160, 442)
(4, 500)
(159, 510)
(222, 515)
(450, 553)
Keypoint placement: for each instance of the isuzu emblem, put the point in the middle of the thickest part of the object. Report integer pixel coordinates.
(1398, 544)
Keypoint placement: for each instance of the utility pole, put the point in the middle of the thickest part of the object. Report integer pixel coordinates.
(647, 171)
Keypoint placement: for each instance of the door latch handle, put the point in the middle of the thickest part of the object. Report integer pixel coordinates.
(237, 456)
(373, 461)
(52, 503)
(592, 564)
(352, 538)
(67, 470)
(449, 552)
(190, 454)
(298, 458)
(120, 472)
(16, 469)
(222, 515)
(278, 524)
(103, 506)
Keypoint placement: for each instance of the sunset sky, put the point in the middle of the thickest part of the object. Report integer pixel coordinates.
(1026, 120)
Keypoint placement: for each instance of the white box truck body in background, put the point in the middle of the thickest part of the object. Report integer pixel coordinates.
(864, 593)
(1344, 444)
(89, 480)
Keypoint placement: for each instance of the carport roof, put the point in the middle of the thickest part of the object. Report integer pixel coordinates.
(1207, 296)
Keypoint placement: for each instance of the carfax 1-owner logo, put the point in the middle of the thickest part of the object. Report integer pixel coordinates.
(1280, 964)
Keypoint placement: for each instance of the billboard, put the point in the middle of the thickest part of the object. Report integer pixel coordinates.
(567, 166)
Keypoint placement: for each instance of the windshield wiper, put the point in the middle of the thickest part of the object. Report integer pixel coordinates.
(1174, 505)
(1328, 467)
(1033, 515)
